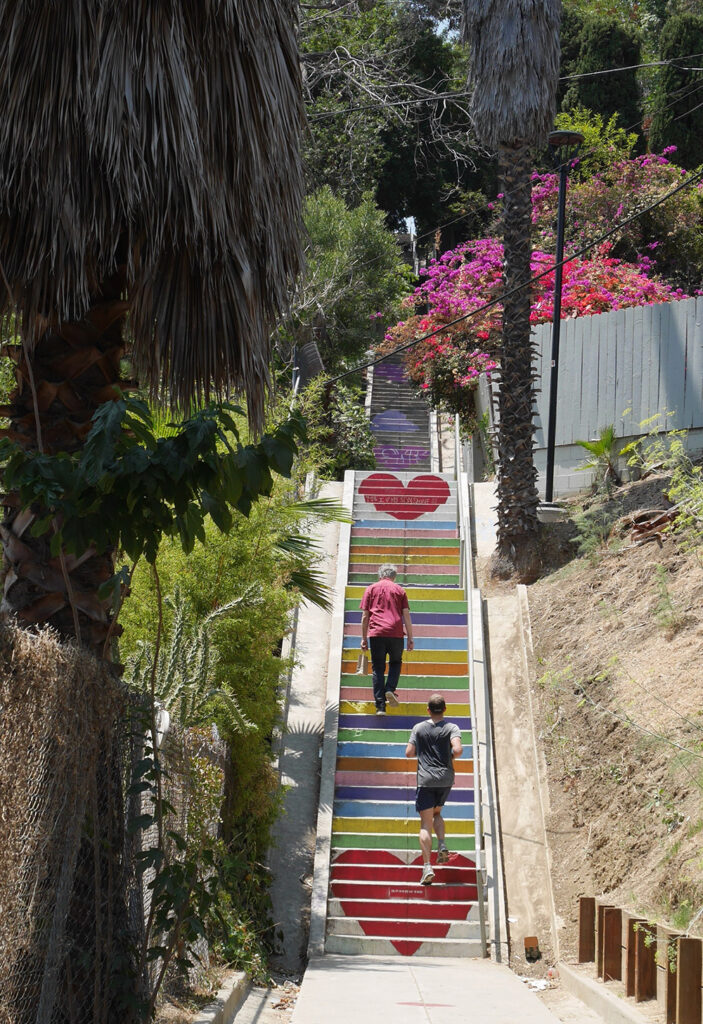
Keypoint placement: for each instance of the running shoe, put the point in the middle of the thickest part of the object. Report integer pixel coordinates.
(427, 875)
(379, 712)
(442, 855)
(392, 699)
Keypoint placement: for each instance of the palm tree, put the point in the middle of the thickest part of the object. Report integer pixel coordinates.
(149, 178)
(514, 69)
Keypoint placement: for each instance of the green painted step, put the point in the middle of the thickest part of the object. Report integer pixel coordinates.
(386, 735)
(351, 604)
(408, 578)
(368, 841)
(416, 682)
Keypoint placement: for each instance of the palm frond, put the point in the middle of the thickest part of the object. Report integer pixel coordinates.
(311, 585)
(514, 46)
(326, 510)
(165, 149)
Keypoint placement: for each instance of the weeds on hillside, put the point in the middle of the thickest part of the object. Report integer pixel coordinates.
(593, 528)
(669, 618)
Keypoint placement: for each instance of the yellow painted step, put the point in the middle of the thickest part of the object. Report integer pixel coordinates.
(453, 657)
(362, 707)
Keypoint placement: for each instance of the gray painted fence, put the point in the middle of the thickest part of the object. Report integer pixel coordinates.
(621, 367)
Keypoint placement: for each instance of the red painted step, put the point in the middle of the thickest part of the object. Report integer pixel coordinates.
(459, 875)
(412, 930)
(435, 893)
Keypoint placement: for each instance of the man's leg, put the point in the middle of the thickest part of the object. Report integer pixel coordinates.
(426, 834)
(377, 649)
(438, 825)
(423, 797)
(395, 646)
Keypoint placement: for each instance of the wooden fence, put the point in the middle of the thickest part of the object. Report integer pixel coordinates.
(652, 962)
(619, 368)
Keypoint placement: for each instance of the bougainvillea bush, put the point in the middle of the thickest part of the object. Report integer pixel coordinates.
(671, 235)
(446, 367)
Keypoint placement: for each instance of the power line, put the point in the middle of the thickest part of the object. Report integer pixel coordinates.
(464, 93)
(680, 94)
(538, 277)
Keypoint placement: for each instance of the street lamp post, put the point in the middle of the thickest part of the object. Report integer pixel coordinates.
(564, 145)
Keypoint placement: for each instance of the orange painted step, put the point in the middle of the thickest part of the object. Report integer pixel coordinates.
(429, 668)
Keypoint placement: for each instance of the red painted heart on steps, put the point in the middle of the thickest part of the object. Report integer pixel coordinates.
(419, 496)
(391, 917)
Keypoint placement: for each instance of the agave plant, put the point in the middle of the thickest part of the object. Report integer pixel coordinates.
(182, 682)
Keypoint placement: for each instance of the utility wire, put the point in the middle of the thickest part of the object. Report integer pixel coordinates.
(683, 93)
(464, 93)
(513, 291)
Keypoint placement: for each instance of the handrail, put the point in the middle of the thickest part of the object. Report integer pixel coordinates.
(464, 523)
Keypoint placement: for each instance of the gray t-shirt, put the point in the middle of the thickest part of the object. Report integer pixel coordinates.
(433, 743)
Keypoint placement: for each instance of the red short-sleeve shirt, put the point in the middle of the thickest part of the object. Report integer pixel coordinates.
(384, 601)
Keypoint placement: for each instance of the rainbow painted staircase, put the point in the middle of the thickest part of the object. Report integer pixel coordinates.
(375, 903)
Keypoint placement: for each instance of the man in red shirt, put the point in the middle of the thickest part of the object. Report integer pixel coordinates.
(385, 610)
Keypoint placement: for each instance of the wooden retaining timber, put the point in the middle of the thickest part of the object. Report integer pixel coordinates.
(652, 962)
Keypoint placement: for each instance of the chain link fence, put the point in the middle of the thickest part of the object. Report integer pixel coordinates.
(74, 908)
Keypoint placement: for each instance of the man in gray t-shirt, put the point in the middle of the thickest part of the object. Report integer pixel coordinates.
(435, 743)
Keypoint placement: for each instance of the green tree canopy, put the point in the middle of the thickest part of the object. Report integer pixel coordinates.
(591, 43)
(354, 271)
(371, 72)
(677, 119)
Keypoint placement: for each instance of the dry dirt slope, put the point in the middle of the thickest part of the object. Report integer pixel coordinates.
(618, 681)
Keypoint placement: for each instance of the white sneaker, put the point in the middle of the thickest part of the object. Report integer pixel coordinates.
(380, 712)
(442, 855)
(392, 699)
(427, 875)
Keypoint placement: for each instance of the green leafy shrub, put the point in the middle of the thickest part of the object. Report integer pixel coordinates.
(339, 434)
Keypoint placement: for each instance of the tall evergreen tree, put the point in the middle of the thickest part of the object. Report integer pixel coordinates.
(603, 43)
(677, 119)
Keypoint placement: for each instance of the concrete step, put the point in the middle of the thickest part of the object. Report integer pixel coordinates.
(408, 927)
(365, 944)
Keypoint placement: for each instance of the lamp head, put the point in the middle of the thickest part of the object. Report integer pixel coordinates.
(564, 144)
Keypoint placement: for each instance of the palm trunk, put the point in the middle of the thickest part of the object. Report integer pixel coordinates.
(72, 369)
(518, 527)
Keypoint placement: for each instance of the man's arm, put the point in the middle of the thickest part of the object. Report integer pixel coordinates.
(457, 748)
(364, 631)
(409, 630)
(410, 750)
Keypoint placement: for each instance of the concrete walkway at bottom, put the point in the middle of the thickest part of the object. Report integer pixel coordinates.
(414, 990)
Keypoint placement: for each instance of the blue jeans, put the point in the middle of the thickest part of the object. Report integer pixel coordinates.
(382, 647)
